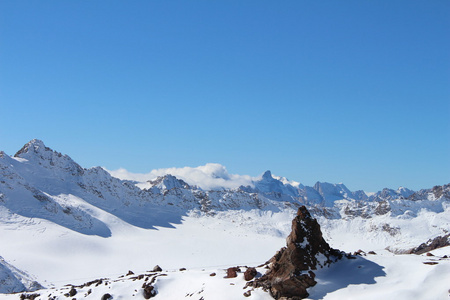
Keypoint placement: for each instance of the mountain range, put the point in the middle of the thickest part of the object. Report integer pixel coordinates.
(40, 182)
(47, 194)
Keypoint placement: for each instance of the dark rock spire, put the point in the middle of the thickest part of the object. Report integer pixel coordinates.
(290, 270)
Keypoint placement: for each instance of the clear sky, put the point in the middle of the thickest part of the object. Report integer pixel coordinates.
(339, 91)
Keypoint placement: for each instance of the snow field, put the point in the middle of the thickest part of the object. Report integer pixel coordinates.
(386, 276)
(57, 256)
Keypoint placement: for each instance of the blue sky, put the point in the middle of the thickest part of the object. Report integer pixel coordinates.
(339, 91)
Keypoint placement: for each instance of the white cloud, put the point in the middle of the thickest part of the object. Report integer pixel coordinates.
(208, 177)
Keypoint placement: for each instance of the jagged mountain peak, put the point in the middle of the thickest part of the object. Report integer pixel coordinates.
(267, 175)
(33, 146)
(435, 193)
(168, 182)
(388, 194)
(405, 192)
(332, 192)
(36, 151)
(340, 185)
(270, 184)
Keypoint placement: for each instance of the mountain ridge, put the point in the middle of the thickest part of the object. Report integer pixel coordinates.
(40, 182)
(322, 193)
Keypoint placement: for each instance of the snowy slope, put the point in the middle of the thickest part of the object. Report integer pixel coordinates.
(67, 224)
(13, 280)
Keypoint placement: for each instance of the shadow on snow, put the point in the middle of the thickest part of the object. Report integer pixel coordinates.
(344, 273)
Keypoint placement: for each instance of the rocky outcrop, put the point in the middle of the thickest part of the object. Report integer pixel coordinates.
(438, 242)
(290, 270)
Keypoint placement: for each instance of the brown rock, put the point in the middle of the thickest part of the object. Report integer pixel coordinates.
(289, 273)
(72, 292)
(149, 291)
(438, 242)
(250, 273)
(232, 272)
(157, 269)
(29, 296)
(212, 274)
(429, 254)
(359, 252)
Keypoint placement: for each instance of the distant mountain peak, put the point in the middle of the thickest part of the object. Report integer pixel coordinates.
(36, 151)
(34, 145)
(267, 175)
(168, 182)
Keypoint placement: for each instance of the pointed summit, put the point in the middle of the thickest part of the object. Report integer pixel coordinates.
(34, 145)
(168, 182)
(36, 151)
(267, 175)
(270, 184)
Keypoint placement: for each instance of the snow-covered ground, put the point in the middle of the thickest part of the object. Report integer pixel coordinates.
(57, 256)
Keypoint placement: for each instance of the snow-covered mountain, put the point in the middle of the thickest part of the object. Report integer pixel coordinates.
(38, 182)
(56, 215)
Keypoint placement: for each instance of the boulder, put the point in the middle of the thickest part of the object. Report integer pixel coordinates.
(250, 273)
(72, 292)
(106, 297)
(157, 269)
(149, 291)
(232, 272)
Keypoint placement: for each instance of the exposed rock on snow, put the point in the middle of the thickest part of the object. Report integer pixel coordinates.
(149, 290)
(157, 269)
(290, 270)
(232, 272)
(250, 273)
(438, 242)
